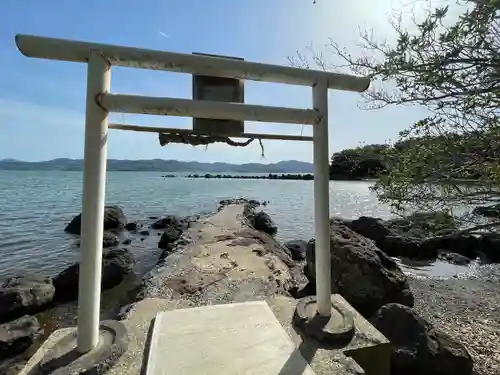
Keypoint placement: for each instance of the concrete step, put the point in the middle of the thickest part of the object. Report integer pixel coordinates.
(240, 338)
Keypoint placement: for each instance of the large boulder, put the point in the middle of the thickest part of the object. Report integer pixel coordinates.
(116, 264)
(108, 240)
(132, 226)
(169, 236)
(114, 218)
(454, 258)
(488, 211)
(389, 238)
(490, 246)
(416, 236)
(171, 221)
(263, 222)
(21, 295)
(363, 274)
(14, 365)
(257, 219)
(173, 227)
(463, 244)
(297, 249)
(417, 347)
(18, 335)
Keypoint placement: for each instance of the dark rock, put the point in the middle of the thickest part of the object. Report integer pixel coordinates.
(169, 236)
(142, 239)
(414, 236)
(297, 249)
(453, 258)
(21, 295)
(418, 348)
(128, 241)
(249, 203)
(18, 335)
(370, 227)
(173, 228)
(132, 226)
(388, 238)
(170, 221)
(144, 232)
(114, 218)
(14, 365)
(407, 246)
(462, 244)
(110, 240)
(116, 264)
(488, 211)
(363, 274)
(263, 222)
(489, 245)
(170, 248)
(167, 250)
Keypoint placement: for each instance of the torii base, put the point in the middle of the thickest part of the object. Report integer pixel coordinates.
(334, 330)
(59, 355)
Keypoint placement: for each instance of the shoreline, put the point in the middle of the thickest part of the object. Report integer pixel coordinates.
(151, 284)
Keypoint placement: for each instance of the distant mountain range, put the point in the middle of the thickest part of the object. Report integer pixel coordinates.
(159, 165)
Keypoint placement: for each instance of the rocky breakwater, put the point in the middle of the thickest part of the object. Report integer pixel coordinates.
(223, 258)
(270, 176)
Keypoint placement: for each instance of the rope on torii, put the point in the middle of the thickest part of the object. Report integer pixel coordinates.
(194, 139)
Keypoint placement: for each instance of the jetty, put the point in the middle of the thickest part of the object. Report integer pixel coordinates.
(222, 302)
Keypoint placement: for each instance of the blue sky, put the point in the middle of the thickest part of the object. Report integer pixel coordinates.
(42, 101)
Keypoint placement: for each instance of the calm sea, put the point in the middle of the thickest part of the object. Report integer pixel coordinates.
(35, 206)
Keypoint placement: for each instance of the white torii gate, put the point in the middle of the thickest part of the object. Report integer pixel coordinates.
(100, 58)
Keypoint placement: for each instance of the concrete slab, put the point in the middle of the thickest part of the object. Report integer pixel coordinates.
(138, 321)
(239, 338)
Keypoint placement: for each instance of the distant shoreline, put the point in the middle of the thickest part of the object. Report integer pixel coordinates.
(162, 166)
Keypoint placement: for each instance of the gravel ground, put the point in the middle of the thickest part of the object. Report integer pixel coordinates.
(468, 310)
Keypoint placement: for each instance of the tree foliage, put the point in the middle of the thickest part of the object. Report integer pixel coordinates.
(359, 162)
(450, 66)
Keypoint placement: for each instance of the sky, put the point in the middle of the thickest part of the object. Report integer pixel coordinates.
(42, 102)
